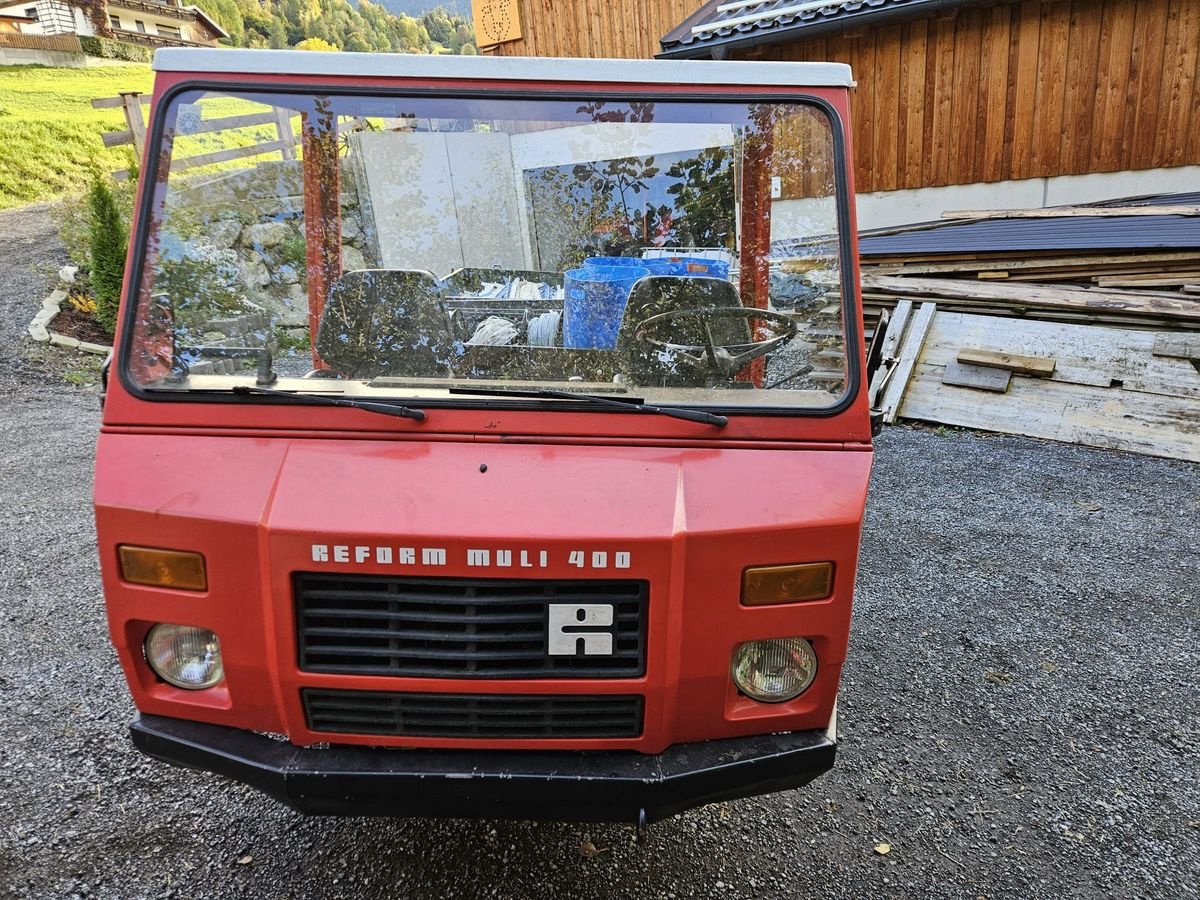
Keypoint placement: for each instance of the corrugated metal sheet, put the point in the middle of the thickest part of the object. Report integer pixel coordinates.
(761, 22)
(1062, 234)
(1188, 199)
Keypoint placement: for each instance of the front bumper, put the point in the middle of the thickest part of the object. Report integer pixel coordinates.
(610, 786)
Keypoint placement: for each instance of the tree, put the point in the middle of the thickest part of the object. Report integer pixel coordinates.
(315, 43)
(356, 42)
(277, 37)
(438, 24)
(106, 239)
(227, 14)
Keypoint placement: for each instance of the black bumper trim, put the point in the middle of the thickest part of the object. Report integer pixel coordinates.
(592, 786)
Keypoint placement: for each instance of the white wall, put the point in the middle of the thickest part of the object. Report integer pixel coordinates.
(888, 208)
(608, 140)
(442, 201)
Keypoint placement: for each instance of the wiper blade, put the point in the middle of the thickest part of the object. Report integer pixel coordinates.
(387, 409)
(629, 403)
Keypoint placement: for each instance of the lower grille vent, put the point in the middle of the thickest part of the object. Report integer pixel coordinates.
(495, 716)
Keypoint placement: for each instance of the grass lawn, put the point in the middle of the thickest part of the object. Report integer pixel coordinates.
(50, 135)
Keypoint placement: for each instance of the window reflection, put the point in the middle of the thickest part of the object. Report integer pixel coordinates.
(403, 245)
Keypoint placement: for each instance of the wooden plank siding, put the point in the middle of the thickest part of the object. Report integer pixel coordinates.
(595, 28)
(1022, 90)
(1003, 90)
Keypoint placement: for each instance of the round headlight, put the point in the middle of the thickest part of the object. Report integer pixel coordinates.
(774, 670)
(185, 656)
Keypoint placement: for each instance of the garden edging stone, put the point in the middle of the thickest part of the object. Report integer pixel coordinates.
(39, 328)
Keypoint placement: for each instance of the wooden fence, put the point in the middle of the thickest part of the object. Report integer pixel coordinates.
(131, 103)
(64, 43)
(286, 143)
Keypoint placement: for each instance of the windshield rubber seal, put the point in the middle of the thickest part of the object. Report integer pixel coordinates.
(150, 178)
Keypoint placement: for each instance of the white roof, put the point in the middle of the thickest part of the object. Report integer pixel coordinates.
(515, 68)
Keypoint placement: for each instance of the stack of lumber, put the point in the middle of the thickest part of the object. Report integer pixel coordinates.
(1080, 325)
(1139, 290)
(1134, 264)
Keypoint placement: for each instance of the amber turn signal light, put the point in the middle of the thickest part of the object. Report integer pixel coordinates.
(765, 585)
(163, 568)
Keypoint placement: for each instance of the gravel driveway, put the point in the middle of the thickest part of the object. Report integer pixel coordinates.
(1018, 712)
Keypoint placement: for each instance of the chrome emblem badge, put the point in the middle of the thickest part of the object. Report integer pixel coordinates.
(569, 628)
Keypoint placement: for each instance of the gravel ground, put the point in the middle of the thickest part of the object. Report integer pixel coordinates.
(1018, 712)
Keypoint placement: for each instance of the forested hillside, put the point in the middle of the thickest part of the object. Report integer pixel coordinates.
(337, 24)
(418, 8)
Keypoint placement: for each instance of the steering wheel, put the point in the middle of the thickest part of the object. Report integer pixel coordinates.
(721, 360)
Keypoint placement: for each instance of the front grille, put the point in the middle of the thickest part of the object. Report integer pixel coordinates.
(459, 627)
(473, 715)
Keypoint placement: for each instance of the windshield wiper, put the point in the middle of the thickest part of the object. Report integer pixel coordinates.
(627, 403)
(387, 409)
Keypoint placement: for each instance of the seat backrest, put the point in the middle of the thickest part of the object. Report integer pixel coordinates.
(386, 322)
(657, 294)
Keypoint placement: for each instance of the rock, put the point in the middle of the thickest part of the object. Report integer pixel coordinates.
(266, 234)
(223, 234)
(352, 260)
(254, 270)
(67, 274)
(288, 274)
(350, 228)
(38, 328)
(289, 311)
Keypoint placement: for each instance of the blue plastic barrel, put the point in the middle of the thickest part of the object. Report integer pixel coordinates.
(594, 302)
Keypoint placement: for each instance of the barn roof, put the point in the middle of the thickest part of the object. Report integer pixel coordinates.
(723, 25)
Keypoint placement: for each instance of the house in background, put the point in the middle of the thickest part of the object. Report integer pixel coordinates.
(147, 22)
(960, 104)
(13, 24)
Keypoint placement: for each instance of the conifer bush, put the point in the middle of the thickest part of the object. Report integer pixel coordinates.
(108, 238)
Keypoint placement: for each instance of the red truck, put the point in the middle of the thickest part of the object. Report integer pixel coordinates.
(488, 437)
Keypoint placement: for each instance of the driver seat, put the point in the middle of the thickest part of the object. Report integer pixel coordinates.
(386, 322)
(656, 294)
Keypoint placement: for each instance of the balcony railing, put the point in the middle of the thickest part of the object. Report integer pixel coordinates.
(169, 10)
(153, 40)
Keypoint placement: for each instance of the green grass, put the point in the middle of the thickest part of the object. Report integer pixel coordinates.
(49, 134)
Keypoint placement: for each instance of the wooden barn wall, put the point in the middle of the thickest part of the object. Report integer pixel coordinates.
(1006, 91)
(596, 28)
(1021, 90)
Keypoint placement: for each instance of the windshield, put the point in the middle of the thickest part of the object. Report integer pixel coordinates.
(415, 247)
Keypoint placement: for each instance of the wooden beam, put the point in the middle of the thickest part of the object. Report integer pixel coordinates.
(117, 138)
(115, 102)
(910, 349)
(978, 377)
(1033, 295)
(207, 159)
(1038, 366)
(231, 122)
(135, 121)
(1176, 347)
(1089, 265)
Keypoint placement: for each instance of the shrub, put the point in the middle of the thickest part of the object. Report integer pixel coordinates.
(202, 281)
(107, 240)
(73, 216)
(110, 49)
(316, 43)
